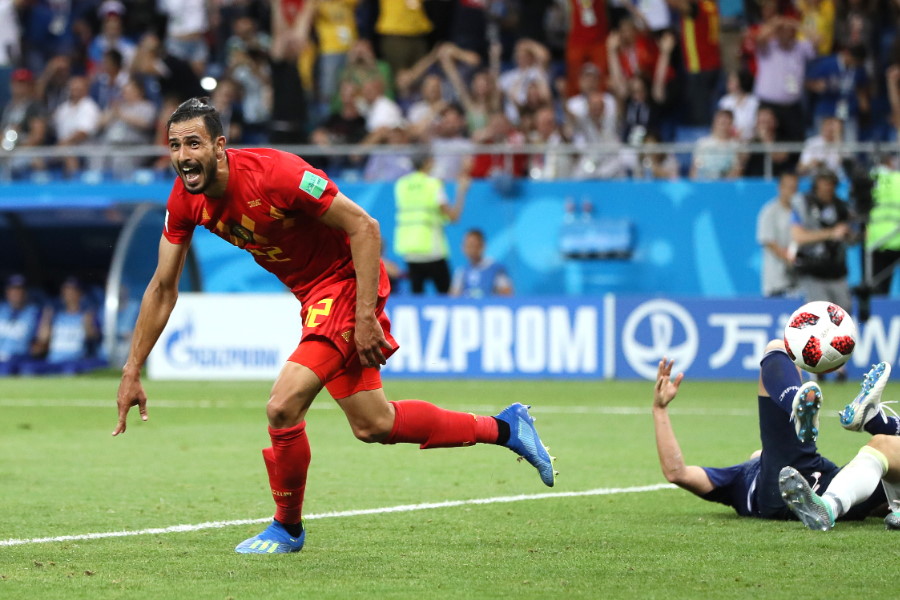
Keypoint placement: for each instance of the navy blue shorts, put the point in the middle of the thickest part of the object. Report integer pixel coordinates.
(780, 446)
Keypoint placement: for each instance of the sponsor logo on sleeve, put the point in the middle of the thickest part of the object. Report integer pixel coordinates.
(313, 185)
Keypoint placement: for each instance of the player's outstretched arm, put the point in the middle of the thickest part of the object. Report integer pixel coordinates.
(156, 306)
(691, 478)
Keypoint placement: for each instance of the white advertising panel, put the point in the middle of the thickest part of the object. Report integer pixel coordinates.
(227, 336)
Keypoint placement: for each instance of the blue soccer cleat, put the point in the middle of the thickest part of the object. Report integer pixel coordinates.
(812, 511)
(273, 540)
(805, 411)
(524, 441)
(867, 403)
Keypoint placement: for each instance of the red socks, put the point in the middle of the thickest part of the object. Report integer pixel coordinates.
(287, 462)
(430, 426)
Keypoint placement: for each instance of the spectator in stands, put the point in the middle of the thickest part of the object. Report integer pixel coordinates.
(246, 36)
(76, 122)
(10, 44)
(481, 276)
(892, 83)
(499, 131)
(823, 150)
(52, 84)
(482, 97)
(841, 86)
(164, 75)
(586, 42)
(589, 82)
(554, 163)
(362, 66)
(818, 16)
(187, 26)
(655, 164)
(70, 335)
(532, 60)
(741, 102)
(450, 144)
(288, 120)
(392, 165)
(654, 15)
(423, 211)
(111, 13)
(251, 70)
(19, 319)
(717, 155)
(594, 130)
(768, 163)
(856, 24)
(781, 59)
(379, 110)
(643, 111)
(403, 29)
(820, 227)
(109, 79)
(634, 51)
(163, 164)
(424, 113)
(226, 98)
(333, 24)
(128, 121)
(23, 123)
(701, 57)
(773, 233)
(347, 126)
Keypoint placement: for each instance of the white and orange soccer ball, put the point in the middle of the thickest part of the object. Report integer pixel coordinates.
(820, 337)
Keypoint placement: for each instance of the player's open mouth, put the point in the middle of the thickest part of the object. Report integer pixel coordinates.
(191, 174)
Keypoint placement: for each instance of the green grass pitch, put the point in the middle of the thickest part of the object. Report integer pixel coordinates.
(198, 460)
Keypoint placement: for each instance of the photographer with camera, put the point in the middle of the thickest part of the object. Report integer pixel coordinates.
(821, 228)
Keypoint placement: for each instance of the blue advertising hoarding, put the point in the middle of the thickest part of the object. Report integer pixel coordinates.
(620, 337)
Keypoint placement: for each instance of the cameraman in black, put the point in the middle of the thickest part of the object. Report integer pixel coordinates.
(821, 229)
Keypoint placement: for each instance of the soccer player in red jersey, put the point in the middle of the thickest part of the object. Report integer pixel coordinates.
(326, 249)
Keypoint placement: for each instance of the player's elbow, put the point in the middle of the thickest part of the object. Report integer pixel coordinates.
(676, 475)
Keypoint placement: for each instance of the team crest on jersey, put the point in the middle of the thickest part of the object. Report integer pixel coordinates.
(346, 335)
(241, 232)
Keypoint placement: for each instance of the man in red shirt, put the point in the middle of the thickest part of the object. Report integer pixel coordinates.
(326, 249)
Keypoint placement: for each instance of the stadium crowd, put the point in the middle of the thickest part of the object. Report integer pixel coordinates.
(454, 74)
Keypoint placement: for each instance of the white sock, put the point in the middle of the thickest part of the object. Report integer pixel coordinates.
(856, 481)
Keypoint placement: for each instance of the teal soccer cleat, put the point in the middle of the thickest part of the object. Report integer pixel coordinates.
(805, 411)
(274, 539)
(803, 501)
(867, 403)
(524, 441)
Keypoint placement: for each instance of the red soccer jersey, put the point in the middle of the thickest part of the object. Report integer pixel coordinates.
(271, 208)
(700, 38)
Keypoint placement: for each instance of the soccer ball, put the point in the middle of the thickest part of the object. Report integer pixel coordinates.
(820, 337)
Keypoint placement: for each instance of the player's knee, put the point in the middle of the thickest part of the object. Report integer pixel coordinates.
(372, 431)
(889, 445)
(283, 413)
(775, 345)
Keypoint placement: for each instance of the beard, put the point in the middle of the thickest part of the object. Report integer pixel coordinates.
(207, 176)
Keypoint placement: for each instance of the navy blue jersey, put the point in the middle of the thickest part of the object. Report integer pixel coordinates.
(735, 487)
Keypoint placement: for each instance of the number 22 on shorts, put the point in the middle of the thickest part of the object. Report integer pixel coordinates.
(320, 309)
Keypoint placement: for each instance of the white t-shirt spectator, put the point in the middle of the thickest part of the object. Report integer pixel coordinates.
(384, 112)
(70, 118)
(744, 111)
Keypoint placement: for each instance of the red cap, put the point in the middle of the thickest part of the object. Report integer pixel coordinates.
(22, 75)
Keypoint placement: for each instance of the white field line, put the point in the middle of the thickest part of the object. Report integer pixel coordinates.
(340, 514)
(325, 404)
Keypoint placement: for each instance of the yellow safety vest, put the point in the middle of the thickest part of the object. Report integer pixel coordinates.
(885, 216)
(419, 218)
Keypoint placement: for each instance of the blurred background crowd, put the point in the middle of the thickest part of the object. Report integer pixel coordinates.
(618, 75)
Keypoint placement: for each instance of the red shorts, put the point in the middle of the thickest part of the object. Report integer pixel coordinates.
(327, 346)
